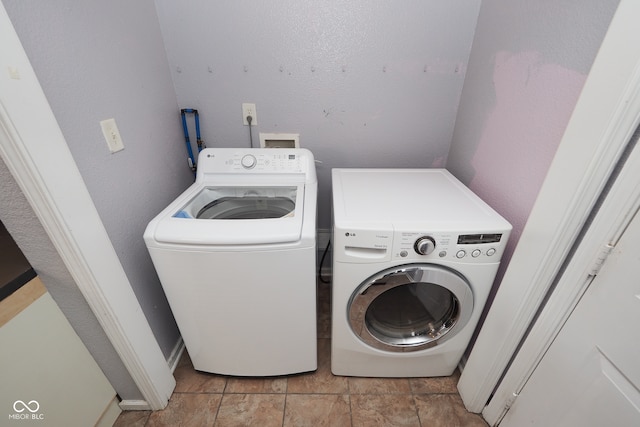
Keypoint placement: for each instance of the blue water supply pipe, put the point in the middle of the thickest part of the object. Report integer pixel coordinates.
(183, 114)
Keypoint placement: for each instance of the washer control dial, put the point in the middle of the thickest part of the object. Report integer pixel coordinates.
(424, 245)
(248, 161)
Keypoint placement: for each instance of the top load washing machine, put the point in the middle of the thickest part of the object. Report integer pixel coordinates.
(236, 256)
(415, 254)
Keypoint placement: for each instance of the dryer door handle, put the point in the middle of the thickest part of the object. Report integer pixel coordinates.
(409, 275)
(391, 280)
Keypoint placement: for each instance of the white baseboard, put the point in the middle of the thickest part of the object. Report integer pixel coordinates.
(172, 362)
(176, 354)
(134, 405)
(110, 414)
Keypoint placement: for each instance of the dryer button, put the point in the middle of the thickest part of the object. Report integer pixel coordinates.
(460, 254)
(491, 252)
(476, 253)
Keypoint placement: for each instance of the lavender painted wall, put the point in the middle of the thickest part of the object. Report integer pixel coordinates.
(366, 83)
(527, 67)
(100, 60)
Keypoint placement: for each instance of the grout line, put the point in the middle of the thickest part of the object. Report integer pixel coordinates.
(284, 409)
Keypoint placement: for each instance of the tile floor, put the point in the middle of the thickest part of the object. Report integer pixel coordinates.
(312, 399)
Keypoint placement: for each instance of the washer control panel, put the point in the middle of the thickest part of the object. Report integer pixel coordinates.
(461, 247)
(267, 162)
(255, 161)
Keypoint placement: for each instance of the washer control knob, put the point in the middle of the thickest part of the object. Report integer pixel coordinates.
(248, 161)
(424, 245)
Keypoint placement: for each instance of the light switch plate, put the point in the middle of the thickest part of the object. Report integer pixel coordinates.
(112, 135)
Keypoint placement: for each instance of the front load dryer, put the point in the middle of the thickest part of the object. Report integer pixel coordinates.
(236, 256)
(415, 255)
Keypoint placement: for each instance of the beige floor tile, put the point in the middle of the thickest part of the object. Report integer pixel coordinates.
(324, 353)
(188, 380)
(379, 385)
(441, 385)
(256, 385)
(310, 399)
(322, 381)
(446, 410)
(383, 410)
(132, 419)
(264, 410)
(187, 409)
(317, 410)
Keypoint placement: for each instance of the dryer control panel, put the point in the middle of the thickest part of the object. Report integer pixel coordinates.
(473, 247)
(359, 245)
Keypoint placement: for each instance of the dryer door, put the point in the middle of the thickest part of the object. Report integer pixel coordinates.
(411, 307)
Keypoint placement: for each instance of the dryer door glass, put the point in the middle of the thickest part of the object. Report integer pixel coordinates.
(410, 308)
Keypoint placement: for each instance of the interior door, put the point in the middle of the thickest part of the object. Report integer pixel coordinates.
(590, 376)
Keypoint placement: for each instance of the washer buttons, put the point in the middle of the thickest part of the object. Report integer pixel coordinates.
(491, 252)
(460, 254)
(476, 253)
(442, 254)
(404, 254)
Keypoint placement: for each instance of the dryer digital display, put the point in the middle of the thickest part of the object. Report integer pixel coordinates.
(474, 239)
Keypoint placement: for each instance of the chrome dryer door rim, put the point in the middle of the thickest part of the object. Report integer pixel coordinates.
(410, 308)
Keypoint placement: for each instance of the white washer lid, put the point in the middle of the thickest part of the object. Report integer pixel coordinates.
(174, 225)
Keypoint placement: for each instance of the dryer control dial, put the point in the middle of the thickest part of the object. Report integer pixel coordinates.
(424, 245)
(248, 161)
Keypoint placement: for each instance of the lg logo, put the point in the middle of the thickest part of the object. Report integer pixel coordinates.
(350, 234)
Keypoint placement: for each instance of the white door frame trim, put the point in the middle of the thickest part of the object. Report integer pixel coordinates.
(604, 119)
(613, 217)
(37, 155)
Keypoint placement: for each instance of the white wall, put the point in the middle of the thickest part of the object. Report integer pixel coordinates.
(527, 67)
(365, 83)
(99, 60)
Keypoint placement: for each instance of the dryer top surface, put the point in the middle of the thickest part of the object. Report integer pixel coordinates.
(401, 198)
